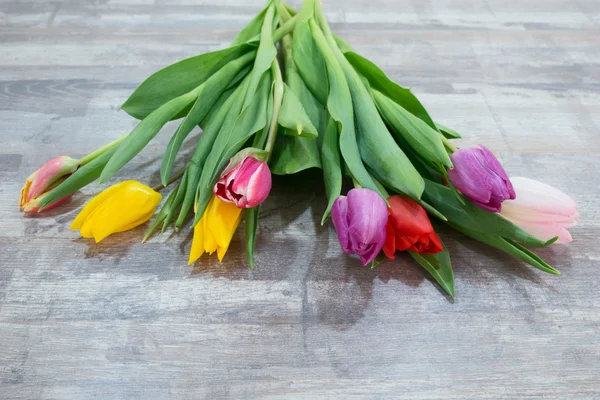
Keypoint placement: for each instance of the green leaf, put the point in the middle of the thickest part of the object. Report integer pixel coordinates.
(431, 210)
(251, 224)
(260, 139)
(381, 82)
(214, 122)
(208, 93)
(332, 170)
(252, 30)
(439, 267)
(378, 260)
(511, 247)
(426, 141)
(162, 214)
(294, 154)
(145, 131)
(181, 189)
(447, 132)
(343, 45)
(470, 217)
(339, 105)
(83, 176)
(294, 117)
(378, 150)
(308, 59)
(216, 108)
(178, 79)
(232, 136)
(264, 57)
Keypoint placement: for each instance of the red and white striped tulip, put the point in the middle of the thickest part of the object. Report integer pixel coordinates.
(246, 184)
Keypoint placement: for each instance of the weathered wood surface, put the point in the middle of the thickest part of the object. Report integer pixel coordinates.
(126, 320)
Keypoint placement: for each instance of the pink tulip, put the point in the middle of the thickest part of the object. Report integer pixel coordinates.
(39, 183)
(247, 184)
(541, 210)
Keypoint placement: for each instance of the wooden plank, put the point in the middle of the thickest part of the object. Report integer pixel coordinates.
(126, 320)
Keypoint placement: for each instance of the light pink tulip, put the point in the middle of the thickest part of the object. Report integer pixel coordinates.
(541, 210)
(247, 184)
(40, 182)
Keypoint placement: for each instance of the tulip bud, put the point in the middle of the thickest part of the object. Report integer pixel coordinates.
(39, 183)
(479, 176)
(541, 210)
(119, 208)
(409, 228)
(360, 219)
(246, 184)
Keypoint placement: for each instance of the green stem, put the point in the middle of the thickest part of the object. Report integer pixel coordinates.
(277, 99)
(284, 29)
(97, 152)
(289, 9)
(172, 179)
(284, 14)
(452, 148)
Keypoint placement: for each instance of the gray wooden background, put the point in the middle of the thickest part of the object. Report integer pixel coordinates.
(122, 320)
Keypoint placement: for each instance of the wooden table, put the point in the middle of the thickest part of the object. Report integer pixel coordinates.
(128, 320)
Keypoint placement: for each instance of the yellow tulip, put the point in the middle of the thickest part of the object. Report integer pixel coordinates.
(215, 229)
(116, 209)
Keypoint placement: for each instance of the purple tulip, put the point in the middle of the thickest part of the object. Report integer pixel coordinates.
(360, 219)
(478, 175)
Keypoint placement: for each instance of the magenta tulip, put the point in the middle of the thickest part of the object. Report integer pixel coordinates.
(247, 184)
(40, 182)
(360, 220)
(541, 210)
(479, 176)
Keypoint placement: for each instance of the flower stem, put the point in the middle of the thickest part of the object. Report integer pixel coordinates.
(97, 152)
(284, 29)
(448, 144)
(172, 179)
(277, 99)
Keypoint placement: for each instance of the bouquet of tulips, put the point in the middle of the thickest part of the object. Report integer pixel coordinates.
(289, 95)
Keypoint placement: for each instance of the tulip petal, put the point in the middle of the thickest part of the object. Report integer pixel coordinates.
(247, 185)
(47, 174)
(197, 242)
(223, 222)
(541, 210)
(538, 201)
(389, 247)
(368, 217)
(410, 229)
(94, 203)
(479, 176)
(117, 209)
(339, 216)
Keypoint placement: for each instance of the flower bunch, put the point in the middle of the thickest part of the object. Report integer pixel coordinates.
(309, 102)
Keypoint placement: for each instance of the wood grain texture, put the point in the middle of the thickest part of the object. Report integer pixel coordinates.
(122, 320)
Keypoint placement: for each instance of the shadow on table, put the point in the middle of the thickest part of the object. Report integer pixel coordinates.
(336, 289)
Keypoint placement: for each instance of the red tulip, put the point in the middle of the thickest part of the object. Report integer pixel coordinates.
(40, 182)
(246, 184)
(409, 228)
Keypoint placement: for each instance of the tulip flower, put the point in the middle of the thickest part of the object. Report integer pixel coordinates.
(118, 208)
(541, 210)
(215, 229)
(409, 228)
(479, 176)
(359, 221)
(46, 177)
(246, 184)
